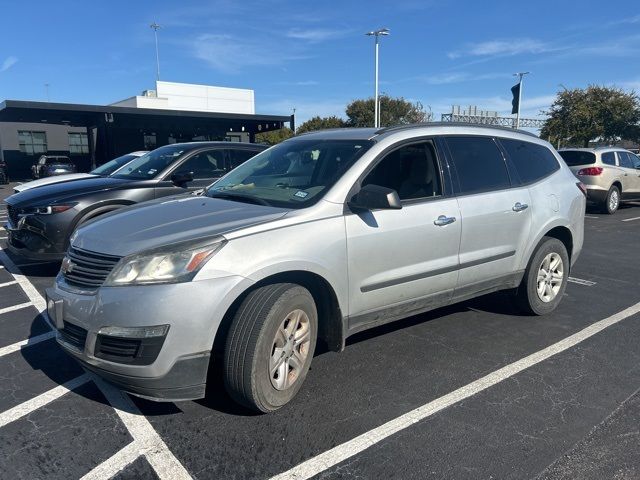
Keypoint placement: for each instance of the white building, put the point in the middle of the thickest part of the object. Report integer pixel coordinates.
(195, 98)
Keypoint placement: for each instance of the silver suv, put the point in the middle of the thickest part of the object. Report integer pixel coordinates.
(317, 238)
(611, 175)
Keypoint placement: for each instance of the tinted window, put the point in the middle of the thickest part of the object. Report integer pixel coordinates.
(206, 164)
(292, 174)
(411, 171)
(636, 161)
(479, 164)
(625, 160)
(608, 158)
(111, 166)
(150, 164)
(532, 161)
(577, 157)
(238, 157)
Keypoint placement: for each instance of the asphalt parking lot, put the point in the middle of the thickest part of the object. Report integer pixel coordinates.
(469, 391)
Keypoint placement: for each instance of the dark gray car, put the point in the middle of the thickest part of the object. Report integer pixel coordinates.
(41, 220)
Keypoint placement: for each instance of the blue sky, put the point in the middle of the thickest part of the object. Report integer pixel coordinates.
(314, 56)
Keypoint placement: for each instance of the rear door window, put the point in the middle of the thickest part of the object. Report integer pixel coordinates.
(207, 164)
(532, 162)
(624, 160)
(609, 158)
(479, 164)
(573, 158)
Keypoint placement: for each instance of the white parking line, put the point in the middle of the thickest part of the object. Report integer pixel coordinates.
(29, 406)
(590, 216)
(631, 219)
(6, 284)
(580, 281)
(147, 440)
(342, 452)
(15, 307)
(110, 467)
(14, 347)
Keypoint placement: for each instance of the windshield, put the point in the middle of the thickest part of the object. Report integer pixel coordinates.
(111, 166)
(150, 164)
(577, 157)
(292, 174)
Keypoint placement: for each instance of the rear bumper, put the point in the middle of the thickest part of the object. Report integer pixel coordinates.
(596, 195)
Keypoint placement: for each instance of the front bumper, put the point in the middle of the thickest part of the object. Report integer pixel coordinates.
(193, 311)
(36, 238)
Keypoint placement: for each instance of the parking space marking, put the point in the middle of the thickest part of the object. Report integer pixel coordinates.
(110, 467)
(631, 219)
(146, 439)
(590, 216)
(6, 284)
(149, 443)
(580, 281)
(15, 307)
(340, 453)
(29, 406)
(14, 347)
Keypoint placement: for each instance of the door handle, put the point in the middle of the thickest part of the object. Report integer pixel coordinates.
(443, 220)
(518, 207)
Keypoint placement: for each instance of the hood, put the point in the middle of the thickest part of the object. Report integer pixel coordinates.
(50, 180)
(162, 222)
(65, 190)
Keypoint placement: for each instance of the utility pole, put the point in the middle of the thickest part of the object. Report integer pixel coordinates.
(155, 28)
(520, 76)
(376, 34)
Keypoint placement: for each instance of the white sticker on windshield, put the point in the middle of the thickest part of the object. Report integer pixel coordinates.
(301, 194)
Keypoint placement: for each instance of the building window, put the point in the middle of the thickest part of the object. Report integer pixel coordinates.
(78, 143)
(149, 141)
(32, 143)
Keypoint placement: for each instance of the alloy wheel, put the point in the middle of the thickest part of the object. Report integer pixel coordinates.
(290, 350)
(550, 277)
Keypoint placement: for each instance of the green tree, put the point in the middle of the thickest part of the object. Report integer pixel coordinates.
(274, 136)
(393, 111)
(578, 116)
(321, 123)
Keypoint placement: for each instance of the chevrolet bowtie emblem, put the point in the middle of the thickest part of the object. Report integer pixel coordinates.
(67, 265)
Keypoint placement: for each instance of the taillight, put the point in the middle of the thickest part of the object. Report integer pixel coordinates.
(590, 171)
(582, 187)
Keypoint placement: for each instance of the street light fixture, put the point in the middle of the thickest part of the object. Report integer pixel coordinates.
(376, 34)
(155, 28)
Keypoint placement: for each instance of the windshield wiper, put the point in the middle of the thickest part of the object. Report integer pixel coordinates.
(239, 197)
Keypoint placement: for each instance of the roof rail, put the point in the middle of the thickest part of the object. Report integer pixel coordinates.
(398, 128)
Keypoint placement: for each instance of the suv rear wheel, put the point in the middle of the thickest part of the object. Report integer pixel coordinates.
(545, 278)
(270, 346)
(612, 201)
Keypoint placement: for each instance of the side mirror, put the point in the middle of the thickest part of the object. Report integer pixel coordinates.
(375, 197)
(180, 178)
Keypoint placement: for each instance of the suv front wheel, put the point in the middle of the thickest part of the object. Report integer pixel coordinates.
(270, 346)
(545, 278)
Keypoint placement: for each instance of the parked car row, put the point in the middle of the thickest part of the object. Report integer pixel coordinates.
(52, 165)
(317, 238)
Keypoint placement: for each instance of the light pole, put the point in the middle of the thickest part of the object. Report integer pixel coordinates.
(520, 76)
(155, 28)
(376, 34)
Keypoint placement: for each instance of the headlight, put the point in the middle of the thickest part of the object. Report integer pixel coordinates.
(46, 210)
(177, 263)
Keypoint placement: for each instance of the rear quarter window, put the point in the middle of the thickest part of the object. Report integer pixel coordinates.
(532, 162)
(608, 158)
(574, 158)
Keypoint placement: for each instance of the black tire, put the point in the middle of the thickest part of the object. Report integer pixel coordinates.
(527, 298)
(250, 345)
(607, 207)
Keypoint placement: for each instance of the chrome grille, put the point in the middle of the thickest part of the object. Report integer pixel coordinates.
(87, 269)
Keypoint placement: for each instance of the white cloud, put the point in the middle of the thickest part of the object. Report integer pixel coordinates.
(502, 48)
(458, 77)
(314, 35)
(231, 54)
(8, 63)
